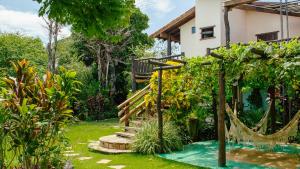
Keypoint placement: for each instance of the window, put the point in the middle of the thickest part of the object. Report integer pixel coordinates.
(193, 30)
(270, 36)
(207, 32)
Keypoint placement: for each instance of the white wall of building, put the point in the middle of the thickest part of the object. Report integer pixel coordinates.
(244, 25)
(259, 22)
(188, 40)
(208, 13)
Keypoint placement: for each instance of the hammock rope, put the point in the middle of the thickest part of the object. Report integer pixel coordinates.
(240, 132)
(260, 127)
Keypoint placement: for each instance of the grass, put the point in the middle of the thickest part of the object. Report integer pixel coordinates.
(87, 131)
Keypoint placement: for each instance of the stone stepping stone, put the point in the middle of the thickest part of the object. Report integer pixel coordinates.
(103, 161)
(84, 158)
(71, 155)
(117, 166)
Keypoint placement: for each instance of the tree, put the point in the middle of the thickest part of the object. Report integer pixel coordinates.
(89, 17)
(14, 47)
(53, 31)
(116, 48)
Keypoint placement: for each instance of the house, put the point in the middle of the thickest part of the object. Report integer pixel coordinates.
(203, 26)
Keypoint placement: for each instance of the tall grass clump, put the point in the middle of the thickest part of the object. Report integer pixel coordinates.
(147, 142)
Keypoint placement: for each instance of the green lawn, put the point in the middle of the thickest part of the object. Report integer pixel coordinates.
(82, 133)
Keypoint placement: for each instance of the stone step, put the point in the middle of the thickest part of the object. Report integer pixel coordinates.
(132, 130)
(125, 135)
(115, 142)
(95, 146)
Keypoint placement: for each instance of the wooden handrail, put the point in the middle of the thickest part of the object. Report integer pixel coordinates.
(162, 58)
(126, 108)
(132, 97)
(126, 116)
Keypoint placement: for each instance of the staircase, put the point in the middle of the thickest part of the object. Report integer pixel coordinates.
(120, 142)
(132, 112)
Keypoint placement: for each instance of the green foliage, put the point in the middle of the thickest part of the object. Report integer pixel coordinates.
(93, 18)
(14, 47)
(36, 113)
(147, 142)
(187, 92)
(280, 64)
(255, 98)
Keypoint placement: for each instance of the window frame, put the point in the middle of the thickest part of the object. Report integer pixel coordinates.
(207, 32)
(194, 30)
(276, 33)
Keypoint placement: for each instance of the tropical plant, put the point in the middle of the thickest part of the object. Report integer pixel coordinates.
(147, 142)
(15, 47)
(36, 113)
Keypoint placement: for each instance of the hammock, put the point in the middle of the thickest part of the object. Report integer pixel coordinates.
(261, 126)
(241, 132)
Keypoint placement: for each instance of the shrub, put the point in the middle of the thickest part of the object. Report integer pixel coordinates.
(36, 112)
(147, 142)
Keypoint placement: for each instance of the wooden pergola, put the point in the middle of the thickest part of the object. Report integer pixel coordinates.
(287, 8)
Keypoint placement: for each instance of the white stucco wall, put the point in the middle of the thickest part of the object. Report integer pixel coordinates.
(208, 13)
(188, 40)
(259, 22)
(244, 25)
(238, 26)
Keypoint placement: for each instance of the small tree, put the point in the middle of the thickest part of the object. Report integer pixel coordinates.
(36, 112)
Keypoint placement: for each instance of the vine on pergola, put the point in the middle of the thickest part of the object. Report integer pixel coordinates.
(259, 65)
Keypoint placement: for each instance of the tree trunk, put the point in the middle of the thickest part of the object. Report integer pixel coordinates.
(55, 36)
(49, 45)
(107, 70)
(113, 79)
(99, 64)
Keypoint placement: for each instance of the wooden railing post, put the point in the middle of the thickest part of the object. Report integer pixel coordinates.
(126, 112)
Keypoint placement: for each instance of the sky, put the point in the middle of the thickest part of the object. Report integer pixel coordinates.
(21, 16)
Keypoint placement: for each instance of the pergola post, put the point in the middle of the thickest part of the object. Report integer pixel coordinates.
(221, 115)
(169, 48)
(159, 113)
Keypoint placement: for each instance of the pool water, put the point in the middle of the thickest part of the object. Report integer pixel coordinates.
(205, 154)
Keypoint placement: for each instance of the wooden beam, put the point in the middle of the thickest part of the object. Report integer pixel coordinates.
(158, 63)
(159, 112)
(169, 49)
(165, 36)
(176, 23)
(167, 67)
(233, 3)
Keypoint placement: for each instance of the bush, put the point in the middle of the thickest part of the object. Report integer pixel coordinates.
(15, 47)
(35, 114)
(147, 142)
